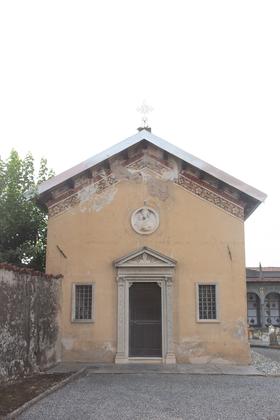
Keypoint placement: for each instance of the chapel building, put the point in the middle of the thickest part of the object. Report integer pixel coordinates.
(150, 242)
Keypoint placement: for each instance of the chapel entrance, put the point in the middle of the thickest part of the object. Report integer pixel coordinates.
(145, 323)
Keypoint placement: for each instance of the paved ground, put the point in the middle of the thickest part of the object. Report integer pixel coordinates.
(273, 354)
(208, 368)
(162, 397)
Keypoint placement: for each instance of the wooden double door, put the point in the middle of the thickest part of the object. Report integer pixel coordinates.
(145, 320)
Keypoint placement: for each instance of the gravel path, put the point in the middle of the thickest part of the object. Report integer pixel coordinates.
(162, 397)
(266, 361)
(273, 354)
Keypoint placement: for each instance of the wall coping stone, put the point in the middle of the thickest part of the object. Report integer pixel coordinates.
(30, 271)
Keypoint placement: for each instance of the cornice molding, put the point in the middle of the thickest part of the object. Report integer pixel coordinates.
(64, 199)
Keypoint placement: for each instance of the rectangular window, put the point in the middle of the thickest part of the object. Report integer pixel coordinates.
(82, 309)
(207, 302)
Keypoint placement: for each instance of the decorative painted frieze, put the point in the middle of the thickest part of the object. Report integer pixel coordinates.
(105, 183)
(63, 205)
(202, 192)
(149, 163)
(145, 166)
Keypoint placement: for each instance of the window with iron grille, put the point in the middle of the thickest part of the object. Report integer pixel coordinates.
(83, 302)
(207, 302)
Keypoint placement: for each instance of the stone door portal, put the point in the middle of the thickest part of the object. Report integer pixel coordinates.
(145, 306)
(145, 336)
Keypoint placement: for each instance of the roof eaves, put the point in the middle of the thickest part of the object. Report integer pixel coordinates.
(89, 163)
(161, 143)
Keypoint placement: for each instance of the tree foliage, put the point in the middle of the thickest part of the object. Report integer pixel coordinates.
(23, 225)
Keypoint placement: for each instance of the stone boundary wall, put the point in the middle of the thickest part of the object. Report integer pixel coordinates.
(29, 305)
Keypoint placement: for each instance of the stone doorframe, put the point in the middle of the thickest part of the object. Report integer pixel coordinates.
(145, 265)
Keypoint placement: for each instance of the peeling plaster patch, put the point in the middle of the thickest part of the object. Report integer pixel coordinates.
(125, 173)
(109, 348)
(91, 351)
(68, 343)
(195, 351)
(104, 199)
(86, 193)
(105, 352)
(190, 350)
(172, 173)
(145, 174)
(237, 330)
(200, 360)
(136, 176)
(120, 171)
(90, 201)
(158, 188)
(240, 330)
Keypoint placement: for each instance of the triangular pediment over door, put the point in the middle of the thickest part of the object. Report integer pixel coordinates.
(145, 257)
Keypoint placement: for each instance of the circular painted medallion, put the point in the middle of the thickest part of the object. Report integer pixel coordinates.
(145, 220)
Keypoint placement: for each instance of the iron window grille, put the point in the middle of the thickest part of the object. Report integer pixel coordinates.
(83, 302)
(207, 302)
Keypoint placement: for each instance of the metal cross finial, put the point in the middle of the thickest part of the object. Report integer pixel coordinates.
(144, 109)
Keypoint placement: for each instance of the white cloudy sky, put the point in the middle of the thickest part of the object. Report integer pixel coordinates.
(73, 72)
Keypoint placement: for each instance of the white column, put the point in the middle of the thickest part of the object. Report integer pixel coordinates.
(170, 355)
(121, 351)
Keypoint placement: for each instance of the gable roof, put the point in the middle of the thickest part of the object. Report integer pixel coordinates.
(250, 191)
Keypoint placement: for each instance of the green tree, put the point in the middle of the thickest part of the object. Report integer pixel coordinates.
(23, 225)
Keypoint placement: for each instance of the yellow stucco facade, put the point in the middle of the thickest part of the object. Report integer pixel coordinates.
(207, 242)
